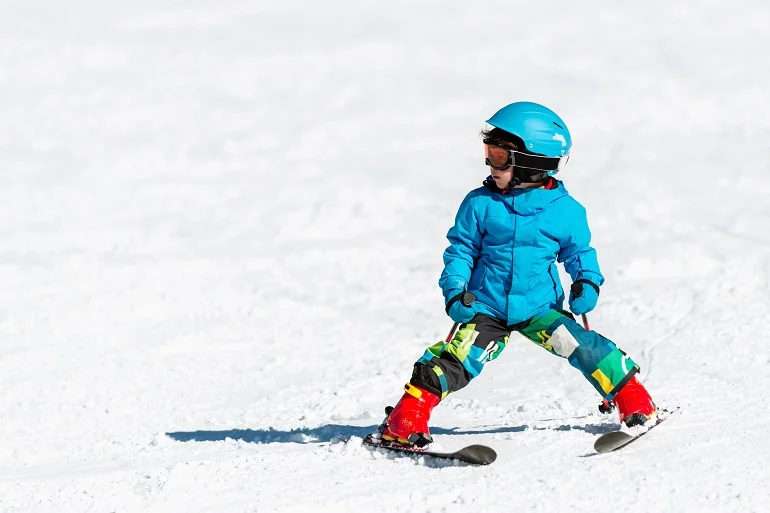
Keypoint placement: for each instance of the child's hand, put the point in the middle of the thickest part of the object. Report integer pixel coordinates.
(461, 313)
(583, 296)
(459, 307)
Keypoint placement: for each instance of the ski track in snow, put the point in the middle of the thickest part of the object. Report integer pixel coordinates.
(222, 227)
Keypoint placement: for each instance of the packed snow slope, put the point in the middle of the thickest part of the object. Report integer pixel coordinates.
(221, 229)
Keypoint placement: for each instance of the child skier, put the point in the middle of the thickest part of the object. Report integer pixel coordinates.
(500, 276)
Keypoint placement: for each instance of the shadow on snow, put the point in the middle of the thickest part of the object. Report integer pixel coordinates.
(331, 431)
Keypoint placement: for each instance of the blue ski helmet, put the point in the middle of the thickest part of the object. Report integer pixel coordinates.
(543, 132)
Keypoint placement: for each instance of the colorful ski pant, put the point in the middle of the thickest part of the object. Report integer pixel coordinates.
(449, 366)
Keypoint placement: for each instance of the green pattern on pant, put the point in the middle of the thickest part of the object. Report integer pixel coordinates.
(462, 347)
(468, 349)
(605, 366)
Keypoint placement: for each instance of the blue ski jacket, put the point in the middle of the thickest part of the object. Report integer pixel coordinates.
(504, 247)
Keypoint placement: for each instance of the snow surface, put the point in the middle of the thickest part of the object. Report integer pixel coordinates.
(222, 225)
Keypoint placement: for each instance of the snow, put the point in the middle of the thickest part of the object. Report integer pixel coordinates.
(222, 226)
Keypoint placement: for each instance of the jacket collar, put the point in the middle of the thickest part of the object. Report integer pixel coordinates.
(490, 184)
(528, 201)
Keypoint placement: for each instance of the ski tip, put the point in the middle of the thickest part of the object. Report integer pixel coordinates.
(478, 454)
(612, 441)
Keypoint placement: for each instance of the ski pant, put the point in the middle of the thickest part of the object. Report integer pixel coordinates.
(449, 366)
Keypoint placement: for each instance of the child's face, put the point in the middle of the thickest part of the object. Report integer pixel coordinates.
(502, 178)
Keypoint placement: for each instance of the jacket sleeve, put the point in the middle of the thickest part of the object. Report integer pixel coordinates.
(576, 253)
(461, 255)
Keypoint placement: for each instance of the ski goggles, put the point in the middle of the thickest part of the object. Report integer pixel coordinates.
(501, 157)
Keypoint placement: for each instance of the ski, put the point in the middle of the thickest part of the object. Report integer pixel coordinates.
(616, 440)
(472, 454)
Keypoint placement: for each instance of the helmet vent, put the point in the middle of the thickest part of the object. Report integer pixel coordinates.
(557, 124)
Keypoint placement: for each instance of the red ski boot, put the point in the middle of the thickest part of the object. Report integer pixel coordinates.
(634, 404)
(407, 423)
